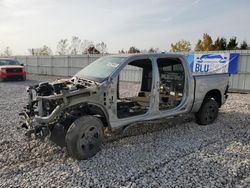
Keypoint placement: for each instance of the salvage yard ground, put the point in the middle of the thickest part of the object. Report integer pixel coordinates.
(174, 153)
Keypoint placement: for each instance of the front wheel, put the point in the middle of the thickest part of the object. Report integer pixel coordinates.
(84, 137)
(208, 112)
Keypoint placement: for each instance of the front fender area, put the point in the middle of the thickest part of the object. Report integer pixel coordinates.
(52, 103)
(64, 114)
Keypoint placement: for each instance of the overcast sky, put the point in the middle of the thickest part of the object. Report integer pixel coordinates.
(120, 24)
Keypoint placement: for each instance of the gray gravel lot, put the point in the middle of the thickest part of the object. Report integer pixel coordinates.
(175, 153)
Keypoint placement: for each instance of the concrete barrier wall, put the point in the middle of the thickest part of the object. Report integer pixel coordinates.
(69, 65)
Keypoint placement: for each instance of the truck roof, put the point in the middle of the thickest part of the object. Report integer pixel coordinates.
(148, 54)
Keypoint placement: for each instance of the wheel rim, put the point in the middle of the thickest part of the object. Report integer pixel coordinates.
(210, 113)
(89, 140)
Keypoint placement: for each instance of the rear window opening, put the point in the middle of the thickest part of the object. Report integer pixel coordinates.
(172, 79)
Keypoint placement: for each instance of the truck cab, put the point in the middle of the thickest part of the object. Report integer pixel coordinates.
(150, 87)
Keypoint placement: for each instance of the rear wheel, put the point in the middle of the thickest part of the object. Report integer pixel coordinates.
(208, 112)
(84, 137)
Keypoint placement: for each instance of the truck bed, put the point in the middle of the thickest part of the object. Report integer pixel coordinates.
(205, 83)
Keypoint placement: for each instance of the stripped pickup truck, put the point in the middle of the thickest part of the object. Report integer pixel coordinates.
(116, 91)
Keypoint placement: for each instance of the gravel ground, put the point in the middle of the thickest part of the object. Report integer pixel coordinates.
(171, 154)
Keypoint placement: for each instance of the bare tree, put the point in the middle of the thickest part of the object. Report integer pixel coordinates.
(153, 50)
(121, 51)
(62, 47)
(133, 49)
(85, 44)
(7, 51)
(43, 51)
(75, 47)
(92, 50)
(102, 47)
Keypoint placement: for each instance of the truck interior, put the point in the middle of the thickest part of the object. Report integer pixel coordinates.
(134, 89)
(172, 80)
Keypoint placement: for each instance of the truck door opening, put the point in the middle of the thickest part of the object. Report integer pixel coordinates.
(172, 79)
(134, 89)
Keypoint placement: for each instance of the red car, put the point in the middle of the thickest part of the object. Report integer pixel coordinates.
(11, 69)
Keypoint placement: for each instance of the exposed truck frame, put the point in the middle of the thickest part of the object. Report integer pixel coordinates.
(84, 108)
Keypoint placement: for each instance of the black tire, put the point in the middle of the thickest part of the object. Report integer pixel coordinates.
(84, 137)
(24, 78)
(208, 112)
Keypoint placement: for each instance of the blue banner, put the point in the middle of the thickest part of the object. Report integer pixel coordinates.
(213, 63)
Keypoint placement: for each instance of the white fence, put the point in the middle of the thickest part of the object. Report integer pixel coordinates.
(69, 65)
(240, 82)
(56, 65)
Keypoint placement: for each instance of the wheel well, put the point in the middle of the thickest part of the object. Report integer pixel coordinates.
(214, 94)
(79, 110)
(98, 112)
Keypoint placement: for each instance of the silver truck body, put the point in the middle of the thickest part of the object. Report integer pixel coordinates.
(100, 98)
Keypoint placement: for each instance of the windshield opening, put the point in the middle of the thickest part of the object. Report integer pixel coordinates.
(8, 62)
(100, 69)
